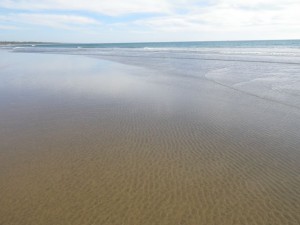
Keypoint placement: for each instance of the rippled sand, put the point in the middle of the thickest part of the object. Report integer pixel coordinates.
(84, 141)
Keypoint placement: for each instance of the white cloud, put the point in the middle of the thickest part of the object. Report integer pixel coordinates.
(230, 16)
(108, 7)
(254, 4)
(5, 27)
(185, 19)
(214, 12)
(50, 20)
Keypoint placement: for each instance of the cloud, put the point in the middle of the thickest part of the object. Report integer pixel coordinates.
(50, 20)
(255, 4)
(118, 7)
(176, 12)
(229, 15)
(5, 27)
(108, 7)
(170, 19)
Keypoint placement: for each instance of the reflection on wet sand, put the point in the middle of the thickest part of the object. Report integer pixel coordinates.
(85, 141)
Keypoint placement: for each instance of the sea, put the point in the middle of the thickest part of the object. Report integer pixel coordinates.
(266, 69)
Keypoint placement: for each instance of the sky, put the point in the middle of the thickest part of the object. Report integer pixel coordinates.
(110, 21)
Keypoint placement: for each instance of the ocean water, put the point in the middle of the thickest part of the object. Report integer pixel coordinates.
(263, 69)
(195, 44)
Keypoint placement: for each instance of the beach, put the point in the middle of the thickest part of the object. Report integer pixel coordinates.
(113, 140)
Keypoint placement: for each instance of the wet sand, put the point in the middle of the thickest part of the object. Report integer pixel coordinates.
(87, 141)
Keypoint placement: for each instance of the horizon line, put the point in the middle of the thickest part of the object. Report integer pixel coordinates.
(147, 42)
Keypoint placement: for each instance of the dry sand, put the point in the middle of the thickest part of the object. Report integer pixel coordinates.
(84, 141)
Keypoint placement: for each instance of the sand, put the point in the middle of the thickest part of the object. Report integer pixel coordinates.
(87, 141)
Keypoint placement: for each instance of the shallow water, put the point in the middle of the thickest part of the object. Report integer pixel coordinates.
(265, 69)
(87, 141)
